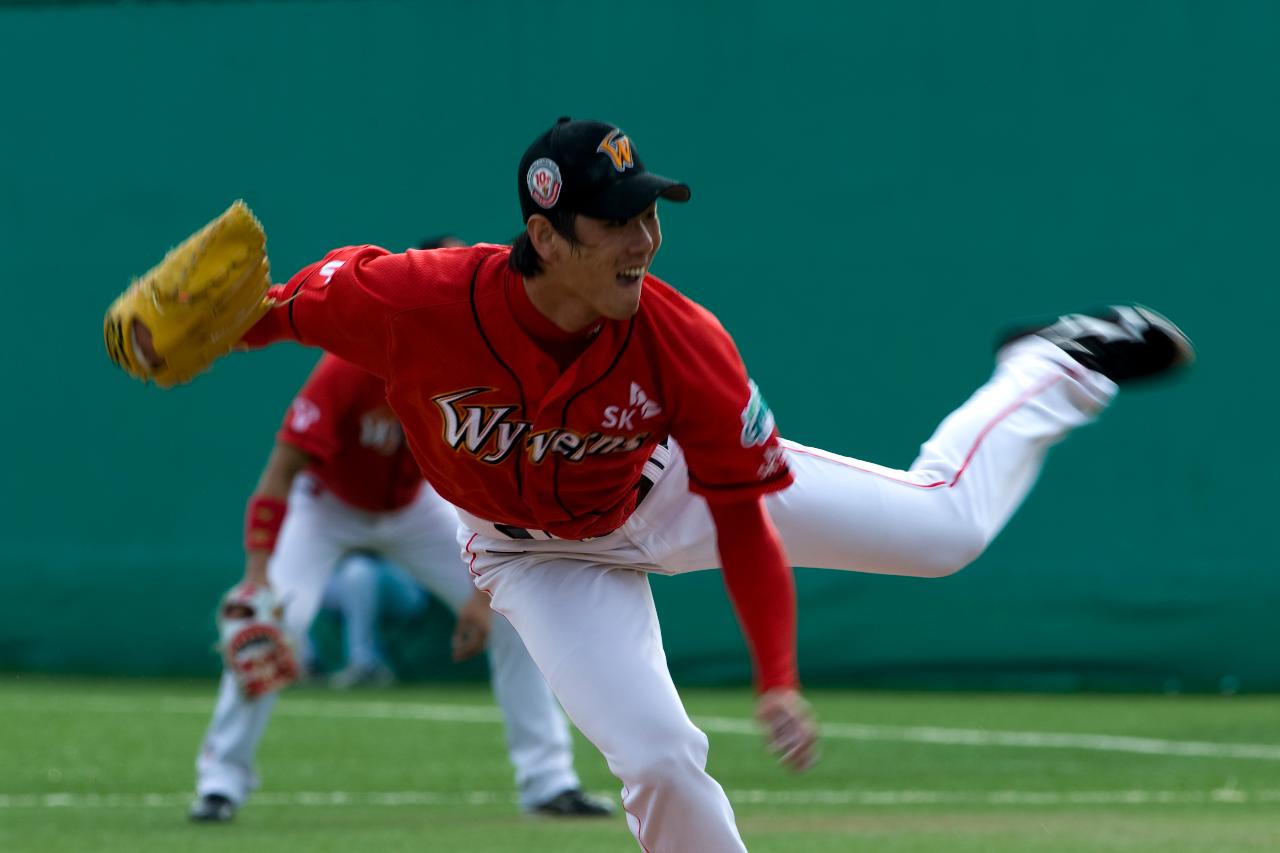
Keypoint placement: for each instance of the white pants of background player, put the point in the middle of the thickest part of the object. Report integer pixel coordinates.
(362, 590)
(586, 614)
(421, 538)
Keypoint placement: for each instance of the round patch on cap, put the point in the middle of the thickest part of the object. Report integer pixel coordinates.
(544, 182)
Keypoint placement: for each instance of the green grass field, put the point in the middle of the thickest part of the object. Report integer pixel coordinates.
(107, 766)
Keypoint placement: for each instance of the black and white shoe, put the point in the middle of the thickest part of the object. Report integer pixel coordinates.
(573, 803)
(1122, 342)
(212, 808)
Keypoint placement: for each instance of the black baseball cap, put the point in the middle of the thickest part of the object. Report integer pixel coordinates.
(591, 168)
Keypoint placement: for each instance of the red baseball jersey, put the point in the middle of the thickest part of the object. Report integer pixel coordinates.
(342, 420)
(495, 424)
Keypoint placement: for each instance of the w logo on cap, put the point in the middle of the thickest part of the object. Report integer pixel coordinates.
(617, 147)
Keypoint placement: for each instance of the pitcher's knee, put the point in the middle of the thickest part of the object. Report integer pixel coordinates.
(666, 760)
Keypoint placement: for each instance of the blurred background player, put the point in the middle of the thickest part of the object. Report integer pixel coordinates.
(364, 593)
(363, 590)
(339, 479)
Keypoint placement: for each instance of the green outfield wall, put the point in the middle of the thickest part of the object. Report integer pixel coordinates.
(878, 188)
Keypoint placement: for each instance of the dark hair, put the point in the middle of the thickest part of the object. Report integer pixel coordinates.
(524, 257)
(439, 242)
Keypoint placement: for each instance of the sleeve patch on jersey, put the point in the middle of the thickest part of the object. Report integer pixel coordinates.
(302, 414)
(757, 420)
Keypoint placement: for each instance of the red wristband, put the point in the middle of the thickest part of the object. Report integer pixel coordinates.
(262, 520)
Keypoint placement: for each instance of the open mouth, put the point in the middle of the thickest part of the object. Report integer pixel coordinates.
(631, 276)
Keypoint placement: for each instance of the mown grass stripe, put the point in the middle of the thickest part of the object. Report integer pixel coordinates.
(303, 707)
(851, 797)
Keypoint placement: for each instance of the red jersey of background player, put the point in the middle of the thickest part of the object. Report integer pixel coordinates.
(498, 426)
(342, 421)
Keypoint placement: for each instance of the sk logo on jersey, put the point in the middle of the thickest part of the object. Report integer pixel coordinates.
(757, 420)
(624, 417)
(490, 434)
(617, 147)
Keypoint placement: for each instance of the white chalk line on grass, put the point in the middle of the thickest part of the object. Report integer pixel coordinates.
(1035, 740)
(301, 707)
(1230, 796)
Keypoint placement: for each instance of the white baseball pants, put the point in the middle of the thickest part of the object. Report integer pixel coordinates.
(422, 539)
(585, 611)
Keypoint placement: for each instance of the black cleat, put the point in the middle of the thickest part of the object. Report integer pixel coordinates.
(1122, 342)
(212, 808)
(574, 803)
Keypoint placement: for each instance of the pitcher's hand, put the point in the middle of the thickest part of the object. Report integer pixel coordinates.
(472, 631)
(789, 728)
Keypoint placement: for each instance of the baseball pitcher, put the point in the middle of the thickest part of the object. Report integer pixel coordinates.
(594, 425)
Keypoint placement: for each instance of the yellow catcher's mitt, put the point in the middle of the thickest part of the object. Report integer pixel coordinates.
(193, 306)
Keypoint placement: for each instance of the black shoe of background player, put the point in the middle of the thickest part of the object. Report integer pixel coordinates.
(1122, 342)
(212, 808)
(573, 803)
